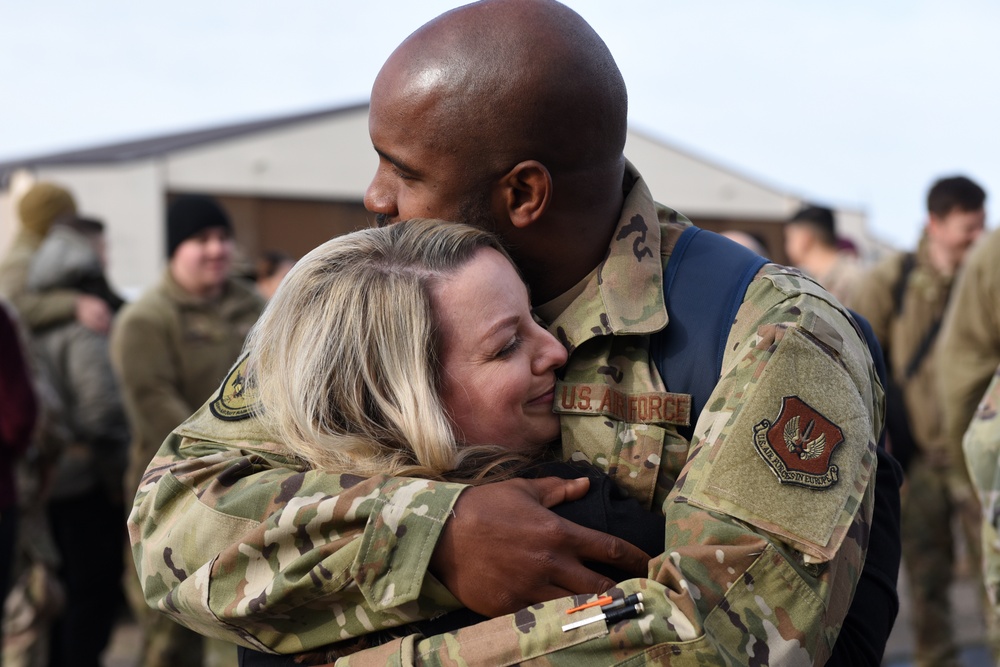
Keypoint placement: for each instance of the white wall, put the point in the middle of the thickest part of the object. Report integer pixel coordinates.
(330, 158)
(698, 188)
(695, 187)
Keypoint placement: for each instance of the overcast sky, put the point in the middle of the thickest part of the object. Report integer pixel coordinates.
(853, 103)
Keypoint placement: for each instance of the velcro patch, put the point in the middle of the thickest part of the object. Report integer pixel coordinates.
(824, 481)
(654, 407)
(235, 400)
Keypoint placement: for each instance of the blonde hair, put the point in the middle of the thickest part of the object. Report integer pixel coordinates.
(344, 362)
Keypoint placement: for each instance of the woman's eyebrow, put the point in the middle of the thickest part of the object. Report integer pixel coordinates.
(511, 320)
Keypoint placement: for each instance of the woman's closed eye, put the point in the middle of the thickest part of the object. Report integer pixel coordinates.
(512, 346)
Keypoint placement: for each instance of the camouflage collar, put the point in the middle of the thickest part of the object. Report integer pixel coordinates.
(247, 434)
(625, 294)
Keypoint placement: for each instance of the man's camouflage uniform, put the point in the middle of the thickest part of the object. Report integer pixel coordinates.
(169, 349)
(928, 506)
(236, 539)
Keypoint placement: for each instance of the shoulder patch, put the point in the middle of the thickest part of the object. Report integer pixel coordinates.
(798, 444)
(772, 471)
(235, 400)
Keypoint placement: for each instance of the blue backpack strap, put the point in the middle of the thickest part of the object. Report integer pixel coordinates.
(704, 268)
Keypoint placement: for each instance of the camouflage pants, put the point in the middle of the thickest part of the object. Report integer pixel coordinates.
(36, 596)
(928, 517)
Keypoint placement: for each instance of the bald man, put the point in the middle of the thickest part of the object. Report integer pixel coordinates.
(511, 114)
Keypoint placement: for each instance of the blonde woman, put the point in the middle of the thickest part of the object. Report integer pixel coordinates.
(411, 350)
(367, 360)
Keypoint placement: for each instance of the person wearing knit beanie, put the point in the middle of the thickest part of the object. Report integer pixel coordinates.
(170, 347)
(189, 215)
(199, 245)
(43, 204)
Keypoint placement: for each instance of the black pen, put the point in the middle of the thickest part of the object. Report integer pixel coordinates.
(611, 617)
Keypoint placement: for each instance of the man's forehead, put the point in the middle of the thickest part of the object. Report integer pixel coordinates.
(416, 81)
(407, 87)
(425, 120)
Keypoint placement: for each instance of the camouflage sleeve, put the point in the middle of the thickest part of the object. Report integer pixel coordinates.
(969, 344)
(241, 545)
(142, 354)
(36, 309)
(982, 456)
(767, 525)
(49, 308)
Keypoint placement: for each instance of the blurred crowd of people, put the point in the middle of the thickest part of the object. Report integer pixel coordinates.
(90, 387)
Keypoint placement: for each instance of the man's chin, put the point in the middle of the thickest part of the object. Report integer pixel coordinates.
(216, 277)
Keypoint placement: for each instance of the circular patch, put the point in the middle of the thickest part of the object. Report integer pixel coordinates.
(235, 400)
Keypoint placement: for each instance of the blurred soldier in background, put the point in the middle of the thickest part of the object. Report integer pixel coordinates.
(904, 298)
(171, 349)
(969, 351)
(747, 240)
(811, 245)
(84, 501)
(270, 270)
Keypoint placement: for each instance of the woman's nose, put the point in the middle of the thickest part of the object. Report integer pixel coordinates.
(552, 354)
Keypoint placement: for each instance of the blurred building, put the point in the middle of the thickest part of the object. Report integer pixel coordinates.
(291, 182)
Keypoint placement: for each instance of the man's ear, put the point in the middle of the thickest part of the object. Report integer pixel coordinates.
(527, 191)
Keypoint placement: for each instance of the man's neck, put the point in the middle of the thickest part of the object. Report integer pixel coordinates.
(551, 276)
(942, 261)
(574, 242)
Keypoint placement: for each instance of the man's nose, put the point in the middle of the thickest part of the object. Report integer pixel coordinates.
(380, 199)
